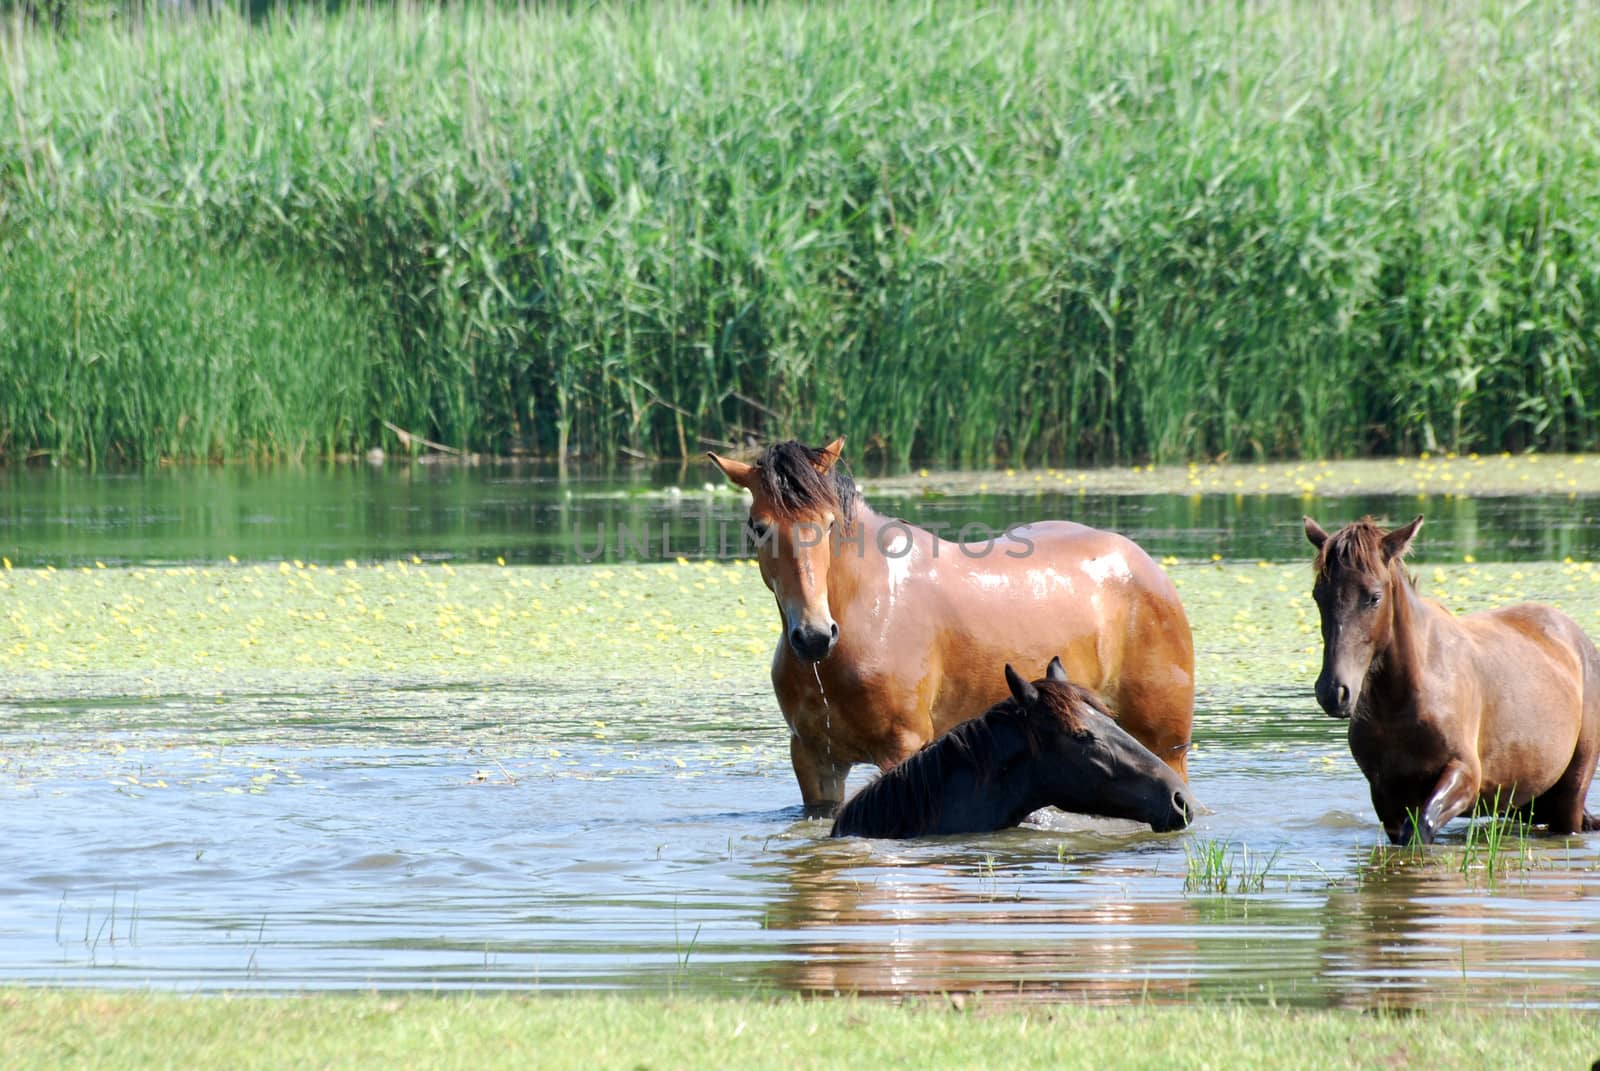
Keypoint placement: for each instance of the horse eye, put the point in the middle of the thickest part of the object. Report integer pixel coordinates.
(1370, 599)
(757, 529)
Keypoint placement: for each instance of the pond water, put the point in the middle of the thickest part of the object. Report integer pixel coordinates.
(385, 835)
(530, 513)
(293, 832)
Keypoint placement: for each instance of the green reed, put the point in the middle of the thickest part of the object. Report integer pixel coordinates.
(1496, 832)
(1053, 230)
(1498, 837)
(1217, 866)
(123, 347)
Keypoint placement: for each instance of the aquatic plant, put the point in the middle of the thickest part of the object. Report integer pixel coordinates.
(1492, 835)
(1059, 230)
(1218, 866)
(1497, 838)
(1253, 623)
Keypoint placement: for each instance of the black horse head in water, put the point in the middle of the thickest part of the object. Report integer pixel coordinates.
(1051, 744)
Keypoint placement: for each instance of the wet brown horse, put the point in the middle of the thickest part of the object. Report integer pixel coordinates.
(1446, 712)
(890, 633)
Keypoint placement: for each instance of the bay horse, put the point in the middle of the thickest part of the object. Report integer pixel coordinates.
(1449, 712)
(1051, 743)
(888, 629)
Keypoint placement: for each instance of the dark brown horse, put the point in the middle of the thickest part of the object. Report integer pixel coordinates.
(890, 633)
(1052, 744)
(1445, 712)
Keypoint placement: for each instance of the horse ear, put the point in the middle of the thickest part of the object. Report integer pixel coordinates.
(1056, 671)
(830, 455)
(1397, 542)
(738, 472)
(1315, 533)
(1022, 691)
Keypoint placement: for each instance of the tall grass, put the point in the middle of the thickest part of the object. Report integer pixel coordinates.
(127, 346)
(1088, 231)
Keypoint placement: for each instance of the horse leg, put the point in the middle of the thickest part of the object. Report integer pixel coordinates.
(1454, 794)
(1562, 805)
(821, 779)
(1397, 817)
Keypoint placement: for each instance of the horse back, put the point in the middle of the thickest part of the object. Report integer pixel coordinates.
(1109, 560)
(1095, 599)
(1531, 630)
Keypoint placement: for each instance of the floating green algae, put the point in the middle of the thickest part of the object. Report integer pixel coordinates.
(1425, 474)
(393, 616)
(706, 626)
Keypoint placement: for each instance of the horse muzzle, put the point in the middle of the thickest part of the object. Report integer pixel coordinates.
(813, 644)
(1336, 700)
(1183, 812)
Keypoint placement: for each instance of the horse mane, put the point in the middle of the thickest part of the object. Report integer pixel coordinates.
(1067, 702)
(791, 483)
(909, 797)
(1358, 545)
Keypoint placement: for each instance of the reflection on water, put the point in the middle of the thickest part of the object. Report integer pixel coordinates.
(524, 513)
(1407, 935)
(392, 835)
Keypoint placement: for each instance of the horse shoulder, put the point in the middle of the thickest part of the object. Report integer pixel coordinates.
(860, 707)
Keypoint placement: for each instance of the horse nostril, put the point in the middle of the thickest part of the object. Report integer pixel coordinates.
(1344, 696)
(811, 645)
(835, 627)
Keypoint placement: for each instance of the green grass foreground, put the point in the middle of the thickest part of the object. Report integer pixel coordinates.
(43, 1029)
(1045, 230)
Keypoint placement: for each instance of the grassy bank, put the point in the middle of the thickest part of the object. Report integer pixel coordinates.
(1054, 230)
(54, 1030)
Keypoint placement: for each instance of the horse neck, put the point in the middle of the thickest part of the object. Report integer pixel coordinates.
(949, 787)
(1400, 662)
(859, 558)
(1004, 784)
